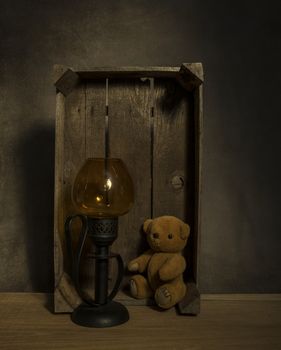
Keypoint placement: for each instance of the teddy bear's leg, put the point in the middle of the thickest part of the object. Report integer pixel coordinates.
(170, 294)
(139, 287)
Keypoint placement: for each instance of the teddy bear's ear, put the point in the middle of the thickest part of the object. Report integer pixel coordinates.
(147, 225)
(184, 232)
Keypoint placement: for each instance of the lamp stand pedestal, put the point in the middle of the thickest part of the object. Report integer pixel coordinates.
(103, 312)
(100, 316)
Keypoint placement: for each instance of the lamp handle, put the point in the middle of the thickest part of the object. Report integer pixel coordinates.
(75, 259)
(120, 275)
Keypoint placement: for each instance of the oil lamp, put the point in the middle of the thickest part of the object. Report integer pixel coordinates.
(102, 191)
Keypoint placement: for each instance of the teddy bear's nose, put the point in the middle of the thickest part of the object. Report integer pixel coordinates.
(155, 235)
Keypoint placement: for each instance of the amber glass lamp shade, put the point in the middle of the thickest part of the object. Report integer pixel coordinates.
(103, 188)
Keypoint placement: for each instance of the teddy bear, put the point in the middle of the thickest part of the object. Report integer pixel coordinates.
(163, 264)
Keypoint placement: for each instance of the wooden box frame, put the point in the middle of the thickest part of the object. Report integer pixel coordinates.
(188, 80)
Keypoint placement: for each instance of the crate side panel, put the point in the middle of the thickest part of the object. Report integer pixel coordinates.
(198, 144)
(74, 154)
(58, 202)
(74, 144)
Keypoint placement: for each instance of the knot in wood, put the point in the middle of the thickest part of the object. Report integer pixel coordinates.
(177, 182)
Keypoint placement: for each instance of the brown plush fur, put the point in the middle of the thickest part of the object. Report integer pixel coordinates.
(163, 262)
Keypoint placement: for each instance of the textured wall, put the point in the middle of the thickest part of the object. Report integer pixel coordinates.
(239, 45)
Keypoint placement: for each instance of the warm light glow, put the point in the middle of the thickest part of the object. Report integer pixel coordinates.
(103, 188)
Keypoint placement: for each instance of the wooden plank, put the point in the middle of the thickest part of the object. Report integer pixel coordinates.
(129, 72)
(241, 297)
(74, 142)
(198, 147)
(95, 112)
(58, 205)
(130, 140)
(72, 139)
(190, 75)
(27, 324)
(65, 297)
(191, 302)
(171, 170)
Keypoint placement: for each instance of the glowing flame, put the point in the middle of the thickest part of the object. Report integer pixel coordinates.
(108, 185)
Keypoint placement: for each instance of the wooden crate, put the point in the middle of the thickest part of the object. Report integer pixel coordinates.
(163, 149)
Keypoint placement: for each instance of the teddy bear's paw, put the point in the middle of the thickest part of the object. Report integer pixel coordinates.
(163, 297)
(139, 287)
(133, 288)
(133, 267)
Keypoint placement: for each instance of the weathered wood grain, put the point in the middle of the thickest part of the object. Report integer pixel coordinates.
(171, 127)
(174, 156)
(129, 72)
(74, 155)
(264, 297)
(95, 112)
(58, 199)
(130, 140)
(191, 302)
(250, 324)
(198, 146)
(174, 169)
(74, 144)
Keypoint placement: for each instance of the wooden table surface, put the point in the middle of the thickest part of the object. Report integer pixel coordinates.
(226, 322)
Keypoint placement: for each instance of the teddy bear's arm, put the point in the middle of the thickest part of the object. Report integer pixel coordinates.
(172, 268)
(139, 264)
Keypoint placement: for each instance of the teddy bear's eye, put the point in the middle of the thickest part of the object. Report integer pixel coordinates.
(170, 235)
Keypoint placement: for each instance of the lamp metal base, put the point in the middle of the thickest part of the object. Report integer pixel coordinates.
(100, 316)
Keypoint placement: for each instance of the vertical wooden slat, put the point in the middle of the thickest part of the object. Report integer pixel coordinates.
(65, 297)
(191, 302)
(152, 127)
(74, 156)
(58, 200)
(198, 133)
(129, 110)
(95, 112)
(171, 168)
(74, 143)
(74, 140)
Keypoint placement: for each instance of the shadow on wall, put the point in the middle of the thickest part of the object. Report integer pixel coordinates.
(37, 154)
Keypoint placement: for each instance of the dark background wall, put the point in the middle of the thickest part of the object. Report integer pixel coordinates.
(239, 45)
